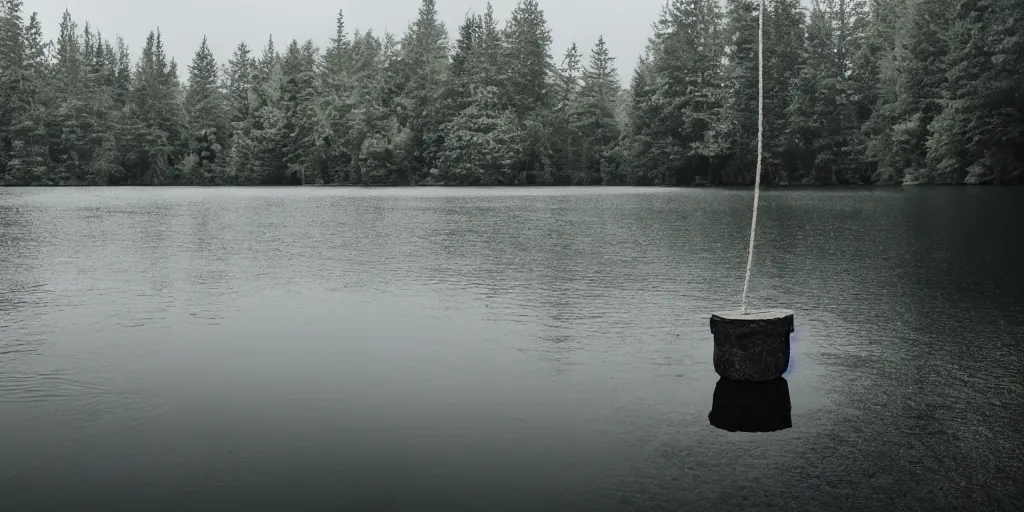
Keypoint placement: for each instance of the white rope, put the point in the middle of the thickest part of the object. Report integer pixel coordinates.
(760, 134)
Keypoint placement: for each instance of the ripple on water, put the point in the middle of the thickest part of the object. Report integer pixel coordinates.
(243, 336)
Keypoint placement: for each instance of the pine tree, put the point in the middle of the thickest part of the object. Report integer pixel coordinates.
(912, 91)
(527, 83)
(867, 85)
(784, 56)
(100, 151)
(528, 55)
(647, 137)
(299, 95)
(366, 116)
(240, 86)
(482, 139)
(268, 76)
(12, 54)
(69, 120)
(687, 70)
(29, 143)
(156, 116)
(919, 60)
(458, 91)
(337, 58)
(814, 115)
(978, 136)
(207, 118)
(422, 71)
(269, 132)
(595, 119)
(335, 106)
(739, 117)
(565, 140)
(489, 56)
(384, 144)
(481, 144)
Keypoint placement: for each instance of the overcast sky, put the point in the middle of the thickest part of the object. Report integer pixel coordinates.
(625, 24)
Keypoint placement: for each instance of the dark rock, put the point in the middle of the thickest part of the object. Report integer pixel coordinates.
(752, 346)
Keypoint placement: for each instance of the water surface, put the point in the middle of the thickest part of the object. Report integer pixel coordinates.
(502, 349)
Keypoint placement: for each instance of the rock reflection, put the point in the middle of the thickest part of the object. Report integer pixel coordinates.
(740, 406)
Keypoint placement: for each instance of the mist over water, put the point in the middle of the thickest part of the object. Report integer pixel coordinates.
(502, 349)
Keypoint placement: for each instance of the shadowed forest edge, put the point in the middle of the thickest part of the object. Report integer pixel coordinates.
(856, 92)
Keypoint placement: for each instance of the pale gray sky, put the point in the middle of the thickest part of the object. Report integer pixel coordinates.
(625, 24)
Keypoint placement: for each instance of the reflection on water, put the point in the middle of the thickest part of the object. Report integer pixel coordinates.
(495, 349)
(741, 406)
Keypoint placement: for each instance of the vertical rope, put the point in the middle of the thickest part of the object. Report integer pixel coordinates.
(760, 136)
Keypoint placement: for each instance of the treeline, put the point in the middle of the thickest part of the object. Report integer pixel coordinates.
(896, 91)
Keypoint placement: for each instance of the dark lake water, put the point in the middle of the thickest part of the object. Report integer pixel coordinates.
(503, 350)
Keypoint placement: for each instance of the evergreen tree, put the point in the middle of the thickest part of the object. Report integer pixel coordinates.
(687, 62)
(911, 91)
(422, 71)
(738, 121)
(979, 135)
(12, 54)
(337, 58)
(565, 140)
(207, 118)
(595, 121)
(784, 57)
(647, 137)
(69, 121)
(458, 92)
(122, 79)
(373, 133)
(155, 115)
(526, 83)
(867, 85)
(489, 60)
(481, 144)
(528, 57)
(335, 106)
(240, 86)
(99, 151)
(300, 92)
(28, 138)
(240, 102)
(269, 132)
(482, 140)
(920, 67)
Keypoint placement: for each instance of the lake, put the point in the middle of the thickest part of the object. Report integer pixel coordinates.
(503, 349)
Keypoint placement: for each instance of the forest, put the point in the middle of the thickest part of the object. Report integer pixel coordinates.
(855, 92)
